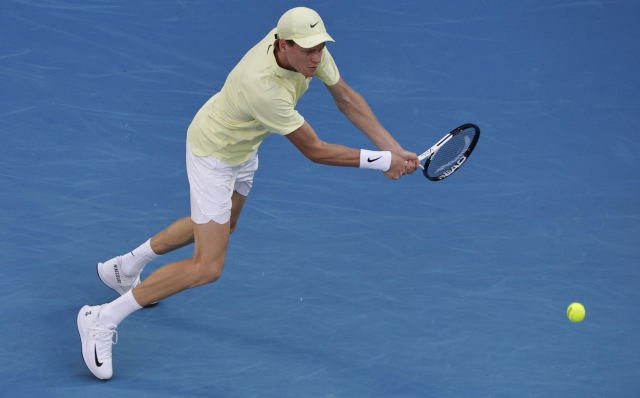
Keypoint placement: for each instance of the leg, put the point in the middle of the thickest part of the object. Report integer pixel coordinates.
(205, 267)
(218, 193)
(237, 203)
(175, 236)
(121, 273)
(211, 240)
(180, 233)
(97, 324)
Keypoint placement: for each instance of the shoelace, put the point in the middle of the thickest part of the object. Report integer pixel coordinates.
(105, 337)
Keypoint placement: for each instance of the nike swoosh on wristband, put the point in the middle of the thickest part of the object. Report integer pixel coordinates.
(314, 25)
(369, 159)
(95, 351)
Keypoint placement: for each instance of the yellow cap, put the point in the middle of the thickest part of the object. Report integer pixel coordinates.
(304, 26)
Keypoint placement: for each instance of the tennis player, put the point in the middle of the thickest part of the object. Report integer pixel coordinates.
(258, 98)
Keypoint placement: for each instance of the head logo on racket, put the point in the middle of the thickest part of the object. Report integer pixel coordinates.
(446, 156)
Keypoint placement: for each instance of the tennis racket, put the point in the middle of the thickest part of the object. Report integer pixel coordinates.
(445, 157)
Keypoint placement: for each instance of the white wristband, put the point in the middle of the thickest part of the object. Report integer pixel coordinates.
(377, 160)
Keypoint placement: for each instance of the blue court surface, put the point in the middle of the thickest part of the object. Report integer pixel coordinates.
(338, 282)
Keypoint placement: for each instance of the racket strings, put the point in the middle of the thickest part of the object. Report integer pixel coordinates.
(451, 154)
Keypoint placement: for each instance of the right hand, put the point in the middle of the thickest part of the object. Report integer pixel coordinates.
(412, 160)
(399, 167)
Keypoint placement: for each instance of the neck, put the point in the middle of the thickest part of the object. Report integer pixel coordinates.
(281, 60)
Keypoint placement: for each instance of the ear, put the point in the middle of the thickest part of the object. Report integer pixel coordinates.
(282, 44)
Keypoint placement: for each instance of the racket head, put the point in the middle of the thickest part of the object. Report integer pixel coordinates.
(453, 153)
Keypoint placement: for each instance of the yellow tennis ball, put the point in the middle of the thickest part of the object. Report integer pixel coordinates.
(576, 312)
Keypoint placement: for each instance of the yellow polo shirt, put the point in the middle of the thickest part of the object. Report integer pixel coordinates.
(258, 98)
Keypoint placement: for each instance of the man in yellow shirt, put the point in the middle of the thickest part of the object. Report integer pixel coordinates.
(257, 99)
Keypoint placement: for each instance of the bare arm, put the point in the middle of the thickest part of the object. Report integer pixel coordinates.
(360, 114)
(318, 151)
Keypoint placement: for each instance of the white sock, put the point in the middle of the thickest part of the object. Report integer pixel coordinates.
(114, 312)
(134, 261)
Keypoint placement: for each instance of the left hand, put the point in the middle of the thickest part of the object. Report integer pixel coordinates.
(411, 158)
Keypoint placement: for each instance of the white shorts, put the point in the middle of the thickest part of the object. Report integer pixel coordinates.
(212, 183)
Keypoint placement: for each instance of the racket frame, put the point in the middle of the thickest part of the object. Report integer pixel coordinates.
(428, 154)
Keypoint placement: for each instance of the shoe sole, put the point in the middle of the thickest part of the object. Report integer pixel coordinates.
(98, 272)
(79, 325)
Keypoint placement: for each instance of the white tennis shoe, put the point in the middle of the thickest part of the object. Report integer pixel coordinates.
(110, 274)
(97, 340)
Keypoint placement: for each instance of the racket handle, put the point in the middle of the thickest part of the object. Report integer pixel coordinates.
(421, 166)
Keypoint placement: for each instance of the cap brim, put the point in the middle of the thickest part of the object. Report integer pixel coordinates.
(312, 41)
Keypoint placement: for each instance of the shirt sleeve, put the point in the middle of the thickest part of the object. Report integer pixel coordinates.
(275, 112)
(328, 70)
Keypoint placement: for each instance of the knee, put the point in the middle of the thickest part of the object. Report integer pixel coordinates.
(208, 273)
(211, 274)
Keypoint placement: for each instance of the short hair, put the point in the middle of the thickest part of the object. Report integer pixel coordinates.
(276, 43)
